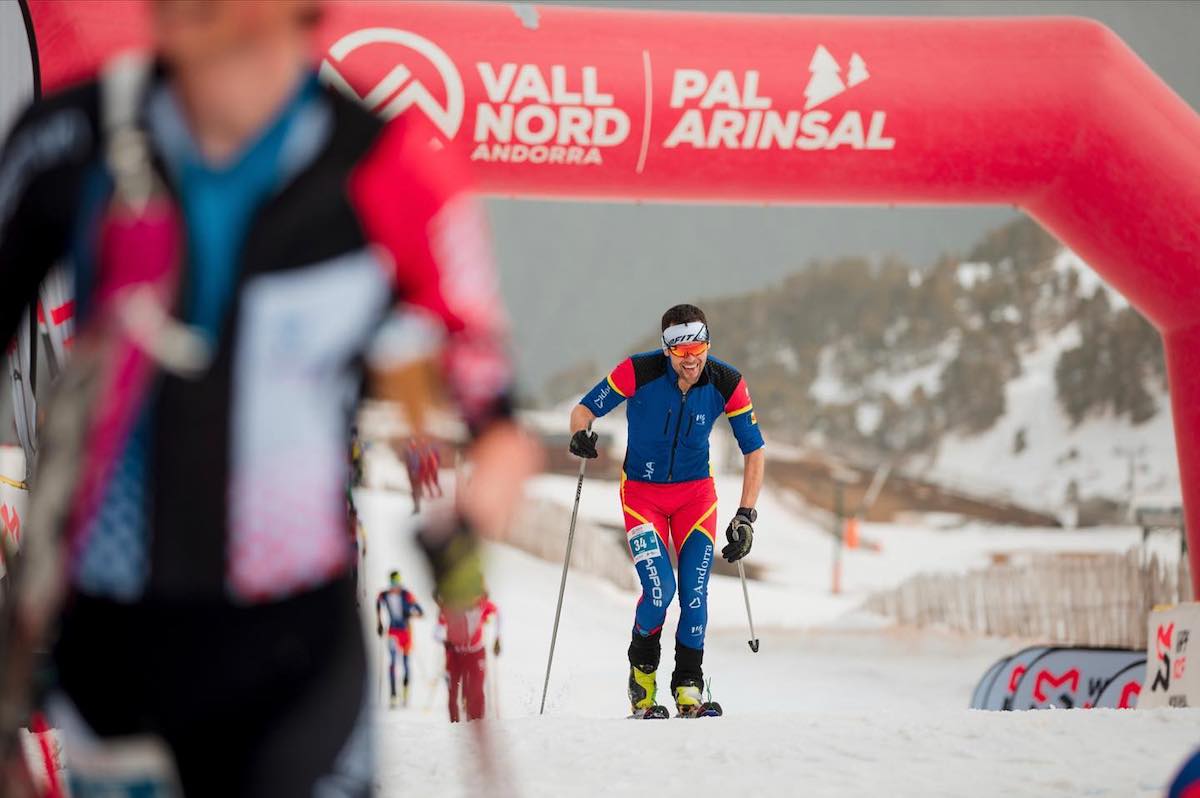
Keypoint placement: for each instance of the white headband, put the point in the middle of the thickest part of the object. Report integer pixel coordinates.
(684, 333)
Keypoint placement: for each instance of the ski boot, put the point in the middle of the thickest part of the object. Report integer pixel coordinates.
(393, 702)
(404, 700)
(690, 703)
(642, 689)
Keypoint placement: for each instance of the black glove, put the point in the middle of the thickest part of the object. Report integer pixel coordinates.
(456, 563)
(583, 444)
(496, 648)
(740, 534)
(379, 629)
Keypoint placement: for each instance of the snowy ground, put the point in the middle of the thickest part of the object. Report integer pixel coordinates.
(834, 704)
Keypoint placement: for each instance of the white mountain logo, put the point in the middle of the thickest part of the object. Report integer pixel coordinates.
(398, 90)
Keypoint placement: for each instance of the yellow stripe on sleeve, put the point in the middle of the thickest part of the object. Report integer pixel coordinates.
(745, 409)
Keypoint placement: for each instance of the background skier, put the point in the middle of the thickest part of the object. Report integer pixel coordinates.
(462, 631)
(400, 606)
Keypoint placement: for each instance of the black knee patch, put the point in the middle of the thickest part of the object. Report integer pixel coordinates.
(645, 651)
(688, 665)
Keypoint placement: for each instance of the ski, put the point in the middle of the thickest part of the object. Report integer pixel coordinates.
(655, 712)
(709, 709)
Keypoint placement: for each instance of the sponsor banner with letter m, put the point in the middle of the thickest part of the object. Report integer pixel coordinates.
(1170, 682)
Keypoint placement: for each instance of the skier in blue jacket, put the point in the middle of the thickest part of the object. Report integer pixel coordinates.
(675, 396)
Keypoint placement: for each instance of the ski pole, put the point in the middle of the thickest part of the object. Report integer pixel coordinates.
(753, 641)
(495, 677)
(563, 584)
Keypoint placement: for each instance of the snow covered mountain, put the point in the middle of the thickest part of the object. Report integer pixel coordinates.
(1081, 427)
(1013, 372)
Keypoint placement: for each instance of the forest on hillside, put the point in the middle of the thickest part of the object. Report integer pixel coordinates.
(886, 357)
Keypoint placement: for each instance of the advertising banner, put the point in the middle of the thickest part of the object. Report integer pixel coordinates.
(1169, 680)
(1067, 678)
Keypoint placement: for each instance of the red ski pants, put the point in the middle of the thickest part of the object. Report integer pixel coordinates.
(466, 671)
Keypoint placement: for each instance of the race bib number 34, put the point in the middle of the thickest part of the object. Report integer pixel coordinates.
(643, 543)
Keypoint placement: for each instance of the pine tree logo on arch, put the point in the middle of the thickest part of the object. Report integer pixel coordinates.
(826, 81)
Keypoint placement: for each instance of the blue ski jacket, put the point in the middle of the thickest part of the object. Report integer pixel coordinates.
(668, 429)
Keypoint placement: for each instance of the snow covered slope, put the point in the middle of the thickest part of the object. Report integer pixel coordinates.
(1095, 455)
(836, 710)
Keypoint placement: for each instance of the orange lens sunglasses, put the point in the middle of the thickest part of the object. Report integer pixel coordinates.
(691, 348)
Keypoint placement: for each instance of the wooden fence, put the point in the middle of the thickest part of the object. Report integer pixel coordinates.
(541, 530)
(1087, 600)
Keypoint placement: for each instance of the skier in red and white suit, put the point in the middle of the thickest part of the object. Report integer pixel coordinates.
(466, 660)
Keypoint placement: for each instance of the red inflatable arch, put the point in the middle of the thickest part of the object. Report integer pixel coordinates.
(1054, 115)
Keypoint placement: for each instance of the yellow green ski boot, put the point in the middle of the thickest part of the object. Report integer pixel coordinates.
(690, 703)
(642, 689)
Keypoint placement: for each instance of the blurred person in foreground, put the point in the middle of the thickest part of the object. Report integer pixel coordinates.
(675, 394)
(243, 241)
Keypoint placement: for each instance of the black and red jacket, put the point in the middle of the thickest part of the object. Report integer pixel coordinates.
(369, 243)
